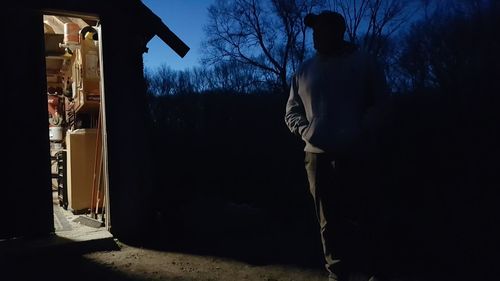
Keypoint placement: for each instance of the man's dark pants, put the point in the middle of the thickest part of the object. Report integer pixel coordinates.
(340, 193)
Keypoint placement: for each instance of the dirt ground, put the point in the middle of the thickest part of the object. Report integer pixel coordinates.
(132, 263)
(144, 264)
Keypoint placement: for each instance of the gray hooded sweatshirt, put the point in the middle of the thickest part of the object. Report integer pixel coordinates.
(330, 98)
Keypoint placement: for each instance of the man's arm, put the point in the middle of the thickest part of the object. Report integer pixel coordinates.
(295, 116)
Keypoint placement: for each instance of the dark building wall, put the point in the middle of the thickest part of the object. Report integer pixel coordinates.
(26, 206)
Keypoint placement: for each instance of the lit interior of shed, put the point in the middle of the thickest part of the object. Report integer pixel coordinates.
(75, 121)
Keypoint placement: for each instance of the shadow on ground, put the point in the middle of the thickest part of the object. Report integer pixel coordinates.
(243, 232)
(55, 258)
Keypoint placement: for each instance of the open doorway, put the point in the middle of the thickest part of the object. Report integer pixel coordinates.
(76, 123)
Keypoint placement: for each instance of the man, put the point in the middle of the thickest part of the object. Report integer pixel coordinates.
(330, 99)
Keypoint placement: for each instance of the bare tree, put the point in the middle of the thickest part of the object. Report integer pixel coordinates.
(434, 53)
(270, 36)
(184, 82)
(161, 81)
(266, 34)
(235, 77)
(371, 22)
(166, 81)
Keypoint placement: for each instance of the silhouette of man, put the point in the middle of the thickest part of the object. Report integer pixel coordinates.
(330, 97)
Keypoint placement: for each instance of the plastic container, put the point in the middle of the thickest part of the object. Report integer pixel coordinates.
(71, 33)
(55, 133)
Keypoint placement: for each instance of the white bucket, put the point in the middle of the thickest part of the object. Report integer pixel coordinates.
(55, 133)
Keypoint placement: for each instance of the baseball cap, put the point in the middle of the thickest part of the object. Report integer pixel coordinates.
(325, 18)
